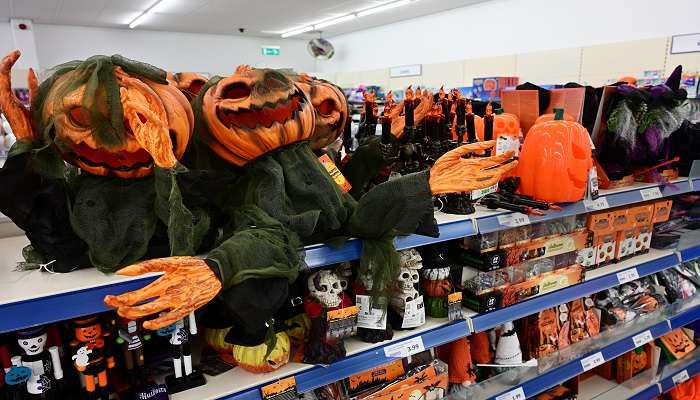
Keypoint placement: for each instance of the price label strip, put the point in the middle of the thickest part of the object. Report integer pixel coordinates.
(341, 323)
(284, 389)
(371, 315)
(515, 394)
(454, 306)
(601, 203)
(406, 348)
(680, 377)
(650, 193)
(479, 193)
(513, 220)
(642, 338)
(628, 275)
(592, 361)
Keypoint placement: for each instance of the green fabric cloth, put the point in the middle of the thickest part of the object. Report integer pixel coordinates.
(364, 165)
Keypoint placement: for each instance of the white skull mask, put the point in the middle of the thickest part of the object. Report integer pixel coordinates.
(33, 345)
(436, 274)
(407, 279)
(325, 287)
(410, 259)
(398, 300)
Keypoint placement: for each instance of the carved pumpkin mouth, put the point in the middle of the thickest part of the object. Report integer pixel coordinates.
(265, 115)
(120, 160)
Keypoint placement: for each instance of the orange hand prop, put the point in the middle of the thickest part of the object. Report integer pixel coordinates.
(17, 115)
(454, 174)
(188, 284)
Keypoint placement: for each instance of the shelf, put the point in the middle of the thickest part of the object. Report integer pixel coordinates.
(568, 363)
(595, 281)
(242, 385)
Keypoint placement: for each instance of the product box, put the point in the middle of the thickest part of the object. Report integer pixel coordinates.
(423, 382)
(372, 378)
(633, 362)
(605, 246)
(662, 211)
(490, 89)
(625, 244)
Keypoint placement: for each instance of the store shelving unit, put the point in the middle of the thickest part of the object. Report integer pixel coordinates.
(33, 297)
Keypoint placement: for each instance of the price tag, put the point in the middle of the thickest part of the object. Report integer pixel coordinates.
(513, 220)
(593, 361)
(650, 193)
(479, 193)
(642, 338)
(405, 348)
(680, 377)
(371, 316)
(628, 275)
(601, 203)
(414, 313)
(515, 394)
(454, 306)
(284, 389)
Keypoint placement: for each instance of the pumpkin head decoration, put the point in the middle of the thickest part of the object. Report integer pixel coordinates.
(112, 116)
(260, 359)
(331, 109)
(254, 111)
(555, 161)
(550, 117)
(189, 83)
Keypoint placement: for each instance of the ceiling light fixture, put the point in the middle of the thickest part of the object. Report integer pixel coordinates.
(383, 7)
(346, 17)
(298, 31)
(142, 17)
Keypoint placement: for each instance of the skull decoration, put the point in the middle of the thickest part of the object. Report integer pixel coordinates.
(434, 274)
(398, 301)
(253, 112)
(325, 287)
(157, 120)
(344, 273)
(410, 258)
(407, 279)
(331, 109)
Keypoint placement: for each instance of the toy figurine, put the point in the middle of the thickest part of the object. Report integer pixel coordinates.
(130, 337)
(325, 344)
(406, 304)
(45, 366)
(92, 356)
(508, 351)
(436, 283)
(181, 333)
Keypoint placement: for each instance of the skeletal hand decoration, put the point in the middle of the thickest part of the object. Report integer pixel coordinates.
(188, 284)
(452, 173)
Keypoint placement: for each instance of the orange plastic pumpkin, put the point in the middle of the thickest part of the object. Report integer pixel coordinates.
(255, 111)
(331, 109)
(555, 161)
(76, 134)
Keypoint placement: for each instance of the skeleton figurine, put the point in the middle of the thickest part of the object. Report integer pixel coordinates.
(45, 366)
(325, 343)
(406, 304)
(181, 333)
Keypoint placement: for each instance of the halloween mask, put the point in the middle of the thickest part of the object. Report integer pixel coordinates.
(110, 120)
(255, 111)
(331, 109)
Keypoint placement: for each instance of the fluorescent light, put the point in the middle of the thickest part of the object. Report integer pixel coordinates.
(381, 8)
(334, 21)
(142, 17)
(298, 31)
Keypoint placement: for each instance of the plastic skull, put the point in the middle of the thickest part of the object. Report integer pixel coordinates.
(436, 274)
(410, 259)
(344, 273)
(398, 301)
(325, 287)
(407, 279)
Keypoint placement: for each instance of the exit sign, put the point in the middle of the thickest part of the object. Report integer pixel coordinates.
(270, 50)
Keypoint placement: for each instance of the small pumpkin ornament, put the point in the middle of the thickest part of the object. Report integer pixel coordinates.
(259, 359)
(216, 340)
(555, 161)
(253, 112)
(331, 108)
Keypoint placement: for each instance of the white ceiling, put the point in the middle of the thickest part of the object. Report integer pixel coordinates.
(258, 17)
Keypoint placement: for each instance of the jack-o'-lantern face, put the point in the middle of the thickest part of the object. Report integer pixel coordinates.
(255, 111)
(163, 115)
(331, 109)
(88, 332)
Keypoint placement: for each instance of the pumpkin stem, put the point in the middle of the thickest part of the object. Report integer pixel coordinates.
(498, 111)
(558, 114)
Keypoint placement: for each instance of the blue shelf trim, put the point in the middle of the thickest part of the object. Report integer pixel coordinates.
(45, 310)
(490, 320)
(685, 318)
(667, 383)
(647, 394)
(566, 371)
(690, 253)
(491, 224)
(319, 375)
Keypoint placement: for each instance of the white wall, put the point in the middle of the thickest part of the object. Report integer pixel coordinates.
(504, 27)
(173, 51)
